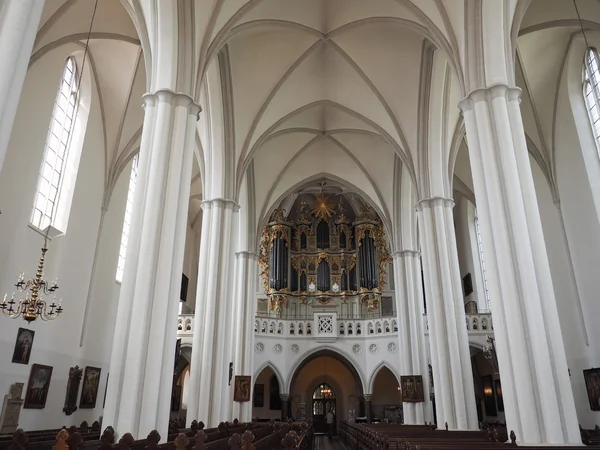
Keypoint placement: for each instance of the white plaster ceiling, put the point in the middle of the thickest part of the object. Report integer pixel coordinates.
(324, 87)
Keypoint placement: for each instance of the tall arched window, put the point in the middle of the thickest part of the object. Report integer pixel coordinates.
(50, 193)
(482, 262)
(591, 90)
(127, 221)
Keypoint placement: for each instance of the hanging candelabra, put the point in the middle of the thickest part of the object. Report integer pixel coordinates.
(33, 305)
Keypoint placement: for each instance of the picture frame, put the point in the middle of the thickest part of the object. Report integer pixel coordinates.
(468, 284)
(499, 398)
(105, 390)
(412, 388)
(38, 386)
(89, 392)
(23, 345)
(592, 386)
(242, 388)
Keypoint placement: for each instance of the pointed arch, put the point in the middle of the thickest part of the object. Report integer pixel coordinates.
(330, 351)
(275, 370)
(376, 371)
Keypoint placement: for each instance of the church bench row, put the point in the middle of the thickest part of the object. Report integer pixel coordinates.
(225, 437)
(49, 434)
(425, 438)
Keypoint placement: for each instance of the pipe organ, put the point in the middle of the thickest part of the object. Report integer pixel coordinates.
(319, 256)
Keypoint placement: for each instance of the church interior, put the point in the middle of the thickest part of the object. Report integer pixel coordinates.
(284, 224)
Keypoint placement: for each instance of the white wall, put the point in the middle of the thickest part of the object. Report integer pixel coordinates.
(579, 196)
(70, 257)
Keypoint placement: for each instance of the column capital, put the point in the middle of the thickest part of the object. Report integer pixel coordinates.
(405, 253)
(222, 202)
(434, 201)
(174, 98)
(368, 397)
(246, 254)
(489, 93)
(284, 397)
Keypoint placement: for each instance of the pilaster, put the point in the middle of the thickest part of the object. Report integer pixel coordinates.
(243, 353)
(284, 406)
(141, 368)
(409, 298)
(368, 407)
(450, 356)
(211, 398)
(537, 393)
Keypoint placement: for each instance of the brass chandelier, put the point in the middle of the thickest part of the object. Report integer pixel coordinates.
(33, 305)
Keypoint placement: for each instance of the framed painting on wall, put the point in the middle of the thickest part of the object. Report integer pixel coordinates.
(499, 398)
(412, 388)
(91, 382)
(468, 284)
(241, 388)
(23, 345)
(592, 386)
(38, 386)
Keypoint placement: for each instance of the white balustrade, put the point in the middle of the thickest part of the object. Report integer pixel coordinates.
(344, 328)
(479, 326)
(185, 325)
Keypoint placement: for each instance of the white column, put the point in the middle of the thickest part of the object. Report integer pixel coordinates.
(535, 382)
(409, 298)
(450, 356)
(143, 357)
(210, 395)
(19, 21)
(245, 280)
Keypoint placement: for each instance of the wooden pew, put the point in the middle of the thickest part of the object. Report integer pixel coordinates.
(235, 435)
(406, 437)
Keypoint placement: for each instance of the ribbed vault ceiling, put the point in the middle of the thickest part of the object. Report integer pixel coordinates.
(318, 87)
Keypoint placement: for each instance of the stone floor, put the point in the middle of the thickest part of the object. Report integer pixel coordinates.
(324, 443)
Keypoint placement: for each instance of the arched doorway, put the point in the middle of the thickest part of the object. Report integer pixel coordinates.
(323, 402)
(386, 402)
(333, 371)
(266, 401)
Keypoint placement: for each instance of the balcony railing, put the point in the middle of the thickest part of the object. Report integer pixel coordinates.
(478, 324)
(185, 325)
(344, 327)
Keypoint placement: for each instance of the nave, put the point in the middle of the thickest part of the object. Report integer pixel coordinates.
(401, 192)
(326, 443)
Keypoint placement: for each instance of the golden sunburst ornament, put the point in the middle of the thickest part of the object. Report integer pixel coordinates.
(322, 207)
